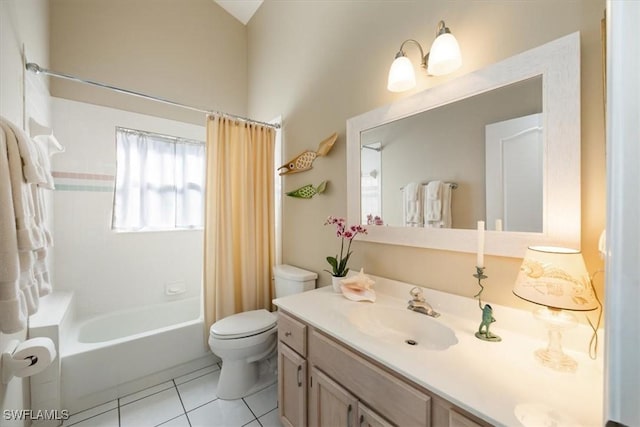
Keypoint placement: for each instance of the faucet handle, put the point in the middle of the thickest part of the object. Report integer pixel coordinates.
(416, 294)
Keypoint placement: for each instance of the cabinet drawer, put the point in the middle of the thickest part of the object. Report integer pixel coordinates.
(400, 403)
(293, 333)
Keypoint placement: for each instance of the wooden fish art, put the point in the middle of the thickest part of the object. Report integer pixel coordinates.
(304, 160)
(308, 191)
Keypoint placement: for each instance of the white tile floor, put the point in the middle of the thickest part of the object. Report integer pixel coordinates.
(186, 401)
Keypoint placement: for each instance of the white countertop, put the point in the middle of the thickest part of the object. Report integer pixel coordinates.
(501, 383)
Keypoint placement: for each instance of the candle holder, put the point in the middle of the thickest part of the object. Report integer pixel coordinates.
(487, 312)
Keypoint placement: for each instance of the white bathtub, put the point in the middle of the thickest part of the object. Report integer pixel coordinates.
(109, 356)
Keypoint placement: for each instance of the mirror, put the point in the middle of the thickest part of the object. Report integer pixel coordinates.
(448, 144)
(504, 142)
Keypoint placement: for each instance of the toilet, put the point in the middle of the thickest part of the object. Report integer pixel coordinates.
(247, 341)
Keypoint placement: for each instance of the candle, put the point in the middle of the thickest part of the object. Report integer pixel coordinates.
(480, 260)
(498, 225)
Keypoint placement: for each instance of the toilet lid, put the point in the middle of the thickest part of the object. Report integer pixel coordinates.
(244, 324)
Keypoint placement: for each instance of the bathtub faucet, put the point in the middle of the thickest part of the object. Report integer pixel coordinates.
(419, 304)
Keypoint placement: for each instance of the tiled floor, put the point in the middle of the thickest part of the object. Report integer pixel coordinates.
(187, 401)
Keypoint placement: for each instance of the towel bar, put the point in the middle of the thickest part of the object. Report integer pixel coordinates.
(453, 185)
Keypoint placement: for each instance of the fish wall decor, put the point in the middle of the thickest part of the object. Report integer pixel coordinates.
(308, 191)
(304, 161)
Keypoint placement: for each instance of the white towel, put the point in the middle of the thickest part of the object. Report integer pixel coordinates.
(42, 148)
(13, 308)
(445, 213)
(446, 205)
(432, 201)
(29, 235)
(412, 205)
(23, 240)
(34, 171)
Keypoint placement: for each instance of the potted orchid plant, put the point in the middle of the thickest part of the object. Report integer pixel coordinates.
(346, 234)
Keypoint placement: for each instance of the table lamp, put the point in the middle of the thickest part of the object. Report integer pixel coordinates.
(557, 279)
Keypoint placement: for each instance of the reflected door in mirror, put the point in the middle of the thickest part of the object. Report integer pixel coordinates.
(514, 174)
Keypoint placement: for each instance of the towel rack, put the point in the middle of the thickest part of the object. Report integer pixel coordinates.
(453, 185)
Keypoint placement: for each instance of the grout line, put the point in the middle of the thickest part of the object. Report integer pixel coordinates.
(119, 419)
(194, 378)
(171, 419)
(200, 406)
(93, 416)
(181, 402)
(250, 410)
(269, 413)
(93, 407)
(144, 397)
(141, 390)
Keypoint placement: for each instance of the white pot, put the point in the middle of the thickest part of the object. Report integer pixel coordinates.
(335, 281)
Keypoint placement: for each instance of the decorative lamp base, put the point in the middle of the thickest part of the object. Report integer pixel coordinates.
(559, 362)
(557, 321)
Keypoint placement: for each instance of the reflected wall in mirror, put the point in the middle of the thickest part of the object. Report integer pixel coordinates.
(508, 136)
(448, 144)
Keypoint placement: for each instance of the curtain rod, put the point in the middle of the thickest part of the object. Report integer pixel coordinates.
(35, 68)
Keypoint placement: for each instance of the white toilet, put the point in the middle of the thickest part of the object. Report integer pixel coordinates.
(246, 340)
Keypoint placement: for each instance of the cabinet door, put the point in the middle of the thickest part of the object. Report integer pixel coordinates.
(368, 418)
(292, 387)
(330, 404)
(459, 420)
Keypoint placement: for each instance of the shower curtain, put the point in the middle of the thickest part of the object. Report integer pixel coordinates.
(239, 241)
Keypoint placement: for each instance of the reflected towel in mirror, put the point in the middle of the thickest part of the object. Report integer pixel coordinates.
(412, 205)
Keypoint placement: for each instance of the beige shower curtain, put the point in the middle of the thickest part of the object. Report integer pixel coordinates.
(239, 241)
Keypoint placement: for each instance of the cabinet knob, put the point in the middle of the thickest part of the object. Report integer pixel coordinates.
(287, 334)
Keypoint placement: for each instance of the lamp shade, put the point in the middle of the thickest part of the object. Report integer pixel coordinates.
(444, 56)
(401, 75)
(555, 277)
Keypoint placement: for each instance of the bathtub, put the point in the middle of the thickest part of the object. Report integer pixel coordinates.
(108, 356)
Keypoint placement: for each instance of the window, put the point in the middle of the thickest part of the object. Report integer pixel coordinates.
(159, 182)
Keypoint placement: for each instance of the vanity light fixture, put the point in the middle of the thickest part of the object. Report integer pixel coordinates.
(443, 58)
(557, 279)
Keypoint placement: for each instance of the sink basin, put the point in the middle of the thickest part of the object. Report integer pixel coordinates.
(399, 325)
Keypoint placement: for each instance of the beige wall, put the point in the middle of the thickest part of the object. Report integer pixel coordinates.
(319, 63)
(22, 23)
(192, 52)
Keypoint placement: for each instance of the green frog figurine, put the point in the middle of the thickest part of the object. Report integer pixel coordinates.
(487, 312)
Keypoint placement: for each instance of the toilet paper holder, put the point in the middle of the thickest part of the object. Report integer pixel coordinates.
(12, 366)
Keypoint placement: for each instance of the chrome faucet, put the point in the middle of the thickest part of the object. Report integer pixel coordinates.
(419, 304)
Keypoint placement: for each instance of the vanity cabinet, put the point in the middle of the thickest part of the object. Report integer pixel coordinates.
(292, 371)
(330, 404)
(324, 383)
(292, 387)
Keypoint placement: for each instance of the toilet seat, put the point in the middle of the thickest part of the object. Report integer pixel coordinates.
(243, 325)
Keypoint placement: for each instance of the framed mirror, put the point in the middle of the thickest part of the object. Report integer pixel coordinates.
(501, 145)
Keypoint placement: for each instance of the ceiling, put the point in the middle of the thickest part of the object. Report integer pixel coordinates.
(242, 10)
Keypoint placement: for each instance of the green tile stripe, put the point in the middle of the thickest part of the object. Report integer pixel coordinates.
(93, 188)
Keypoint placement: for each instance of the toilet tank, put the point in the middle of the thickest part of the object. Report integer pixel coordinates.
(292, 280)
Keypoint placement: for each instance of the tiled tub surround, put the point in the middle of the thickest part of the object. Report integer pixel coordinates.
(497, 382)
